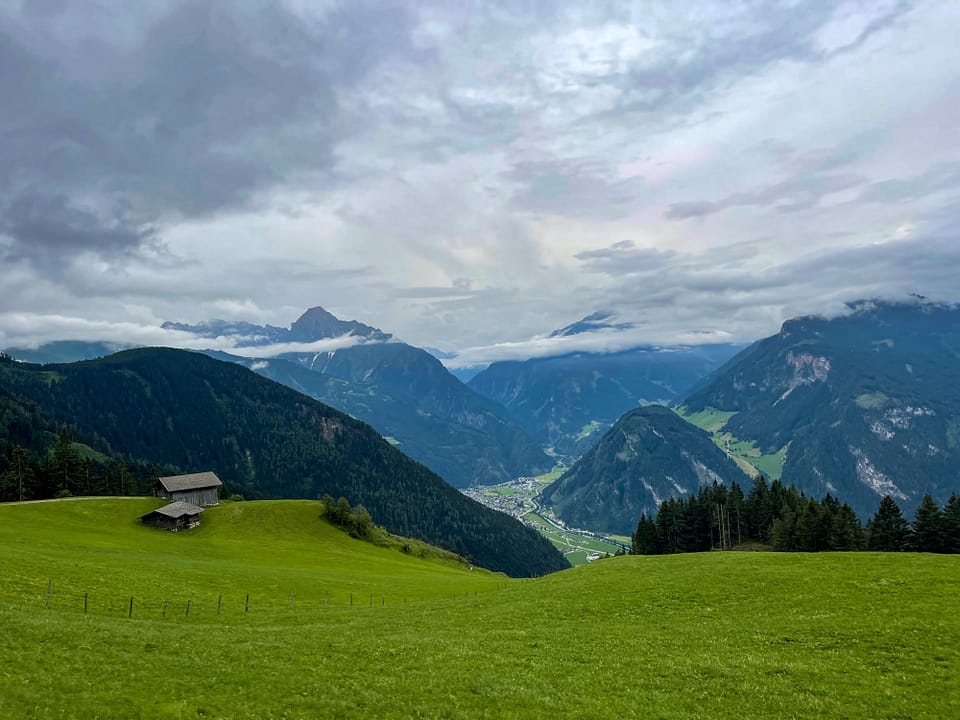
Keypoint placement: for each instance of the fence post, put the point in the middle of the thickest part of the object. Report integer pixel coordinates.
(189, 602)
(291, 601)
(219, 604)
(130, 612)
(246, 604)
(85, 598)
(49, 590)
(165, 603)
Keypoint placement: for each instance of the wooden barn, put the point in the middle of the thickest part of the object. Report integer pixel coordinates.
(176, 516)
(196, 488)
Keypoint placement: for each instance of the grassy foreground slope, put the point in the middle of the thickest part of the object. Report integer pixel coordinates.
(268, 549)
(749, 635)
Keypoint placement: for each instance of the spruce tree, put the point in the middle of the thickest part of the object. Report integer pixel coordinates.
(928, 526)
(951, 525)
(887, 530)
(18, 482)
(846, 533)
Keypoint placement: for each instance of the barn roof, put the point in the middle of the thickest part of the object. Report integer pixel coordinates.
(194, 481)
(177, 510)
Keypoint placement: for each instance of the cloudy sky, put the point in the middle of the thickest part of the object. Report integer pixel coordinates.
(472, 175)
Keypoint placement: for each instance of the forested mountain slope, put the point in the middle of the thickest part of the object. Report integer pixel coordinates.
(862, 405)
(650, 454)
(263, 440)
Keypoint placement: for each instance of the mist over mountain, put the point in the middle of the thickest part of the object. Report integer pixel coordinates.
(406, 394)
(569, 401)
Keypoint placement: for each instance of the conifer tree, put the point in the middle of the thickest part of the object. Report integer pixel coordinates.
(645, 537)
(19, 479)
(846, 533)
(887, 530)
(928, 526)
(951, 525)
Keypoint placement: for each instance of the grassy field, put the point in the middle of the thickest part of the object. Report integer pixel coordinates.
(717, 635)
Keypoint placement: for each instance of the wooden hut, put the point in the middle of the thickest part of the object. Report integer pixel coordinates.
(196, 488)
(176, 516)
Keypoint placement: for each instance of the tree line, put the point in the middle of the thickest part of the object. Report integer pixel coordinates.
(62, 470)
(785, 519)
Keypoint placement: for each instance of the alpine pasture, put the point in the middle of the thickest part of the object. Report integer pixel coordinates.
(715, 635)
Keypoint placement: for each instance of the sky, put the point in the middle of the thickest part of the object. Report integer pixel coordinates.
(471, 176)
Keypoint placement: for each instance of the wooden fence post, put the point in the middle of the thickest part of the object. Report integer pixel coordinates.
(189, 602)
(85, 598)
(219, 604)
(246, 605)
(383, 600)
(165, 603)
(130, 612)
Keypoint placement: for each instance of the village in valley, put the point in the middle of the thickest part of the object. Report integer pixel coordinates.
(519, 498)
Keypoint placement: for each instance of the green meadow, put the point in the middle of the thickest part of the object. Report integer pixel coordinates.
(743, 452)
(717, 635)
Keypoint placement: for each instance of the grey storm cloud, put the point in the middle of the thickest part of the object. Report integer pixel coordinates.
(189, 110)
(473, 175)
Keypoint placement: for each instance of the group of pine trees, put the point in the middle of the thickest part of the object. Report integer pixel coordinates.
(63, 470)
(783, 517)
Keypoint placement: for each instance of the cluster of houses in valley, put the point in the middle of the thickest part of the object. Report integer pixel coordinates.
(188, 496)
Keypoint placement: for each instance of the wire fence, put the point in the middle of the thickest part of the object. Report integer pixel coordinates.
(178, 605)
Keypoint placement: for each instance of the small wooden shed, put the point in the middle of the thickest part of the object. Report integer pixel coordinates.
(176, 516)
(196, 488)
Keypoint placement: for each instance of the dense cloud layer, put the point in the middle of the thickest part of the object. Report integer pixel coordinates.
(473, 176)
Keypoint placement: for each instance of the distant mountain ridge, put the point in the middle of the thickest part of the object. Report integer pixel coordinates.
(569, 401)
(863, 405)
(650, 454)
(314, 324)
(262, 439)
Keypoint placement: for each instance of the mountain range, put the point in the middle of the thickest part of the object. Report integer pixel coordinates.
(182, 408)
(568, 402)
(862, 405)
(402, 391)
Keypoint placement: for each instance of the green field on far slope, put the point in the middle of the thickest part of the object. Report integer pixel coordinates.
(744, 452)
(716, 635)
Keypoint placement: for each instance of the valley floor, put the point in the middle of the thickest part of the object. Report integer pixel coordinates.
(519, 498)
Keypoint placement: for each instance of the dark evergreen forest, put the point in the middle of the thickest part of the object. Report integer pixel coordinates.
(783, 518)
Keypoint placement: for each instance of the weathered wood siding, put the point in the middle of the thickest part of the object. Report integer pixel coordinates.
(203, 497)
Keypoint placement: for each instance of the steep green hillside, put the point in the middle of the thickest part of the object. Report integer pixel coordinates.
(858, 406)
(568, 402)
(265, 440)
(649, 455)
(402, 391)
(715, 635)
(466, 446)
